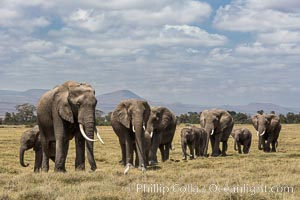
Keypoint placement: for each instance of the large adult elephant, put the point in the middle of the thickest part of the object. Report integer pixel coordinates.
(268, 128)
(65, 112)
(161, 126)
(218, 123)
(30, 139)
(129, 121)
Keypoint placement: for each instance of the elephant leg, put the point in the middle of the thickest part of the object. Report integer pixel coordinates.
(184, 154)
(45, 163)
(167, 151)
(192, 150)
(162, 152)
(153, 151)
(224, 147)
(267, 146)
(123, 152)
(38, 160)
(273, 146)
(216, 149)
(129, 149)
(239, 147)
(62, 146)
(80, 152)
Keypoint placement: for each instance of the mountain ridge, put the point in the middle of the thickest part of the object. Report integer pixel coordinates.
(108, 101)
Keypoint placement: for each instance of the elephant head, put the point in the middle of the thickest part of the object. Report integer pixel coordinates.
(217, 123)
(214, 119)
(187, 135)
(133, 115)
(264, 124)
(30, 139)
(76, 102)
(159, 119)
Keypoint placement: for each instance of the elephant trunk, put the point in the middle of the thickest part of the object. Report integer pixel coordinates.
(22, 151)
(260, 132)
(210, 131)
(235, 141)
(90, 130)
(260, 142)
(140, 142)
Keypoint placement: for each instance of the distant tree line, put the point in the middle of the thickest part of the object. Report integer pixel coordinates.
(26, 115)
(239, 118)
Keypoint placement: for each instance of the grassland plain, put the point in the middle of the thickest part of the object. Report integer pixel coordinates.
(255, 176)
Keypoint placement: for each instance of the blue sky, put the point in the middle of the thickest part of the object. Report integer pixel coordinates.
(200, 52)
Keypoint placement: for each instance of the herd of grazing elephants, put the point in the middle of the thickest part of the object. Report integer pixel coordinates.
(68, 111)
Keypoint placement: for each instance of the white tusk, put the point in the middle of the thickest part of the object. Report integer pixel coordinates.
(151, 134)
(262, 133)
(133, 129)
(212, 132)
(84, 135)
(98, 135)
(144, 127)
(257, 133)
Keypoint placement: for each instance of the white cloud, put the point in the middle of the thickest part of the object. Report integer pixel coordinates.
(279, 36)
(250, 15)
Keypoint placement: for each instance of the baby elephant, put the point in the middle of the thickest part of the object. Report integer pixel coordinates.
(31, 139)
(243, 137)
(196, 139)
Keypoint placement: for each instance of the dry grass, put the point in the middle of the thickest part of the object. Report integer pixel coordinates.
(108, 182)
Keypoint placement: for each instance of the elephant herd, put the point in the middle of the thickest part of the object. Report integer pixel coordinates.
(68, 111)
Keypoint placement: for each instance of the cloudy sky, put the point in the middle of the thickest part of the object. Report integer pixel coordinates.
(201, 52)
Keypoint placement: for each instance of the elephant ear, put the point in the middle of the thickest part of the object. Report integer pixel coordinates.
(202, 118)
(121, 114)
(147, 111)
(165, 117)
(63, 106)
(255, 121)
(225, 119)
(274, 121)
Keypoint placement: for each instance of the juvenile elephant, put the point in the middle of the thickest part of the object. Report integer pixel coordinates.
(195, 138)
(161, 126)
(218, 123)
(65, 112)
(31, 139)
(242, 136)
(129, 120)
(268, 128)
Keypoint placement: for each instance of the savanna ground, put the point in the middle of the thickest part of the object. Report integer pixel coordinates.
(233, 177)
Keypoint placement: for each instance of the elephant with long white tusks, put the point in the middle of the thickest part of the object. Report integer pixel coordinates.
(268, 128)
(218, 123)
(65, 112)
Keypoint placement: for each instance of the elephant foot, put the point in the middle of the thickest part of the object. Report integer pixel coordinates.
(142, 168)
(215, 154)
(191, 157)
(121, 162)
(60, 170)
(127, 168)
(153, 163)
(184, 158)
